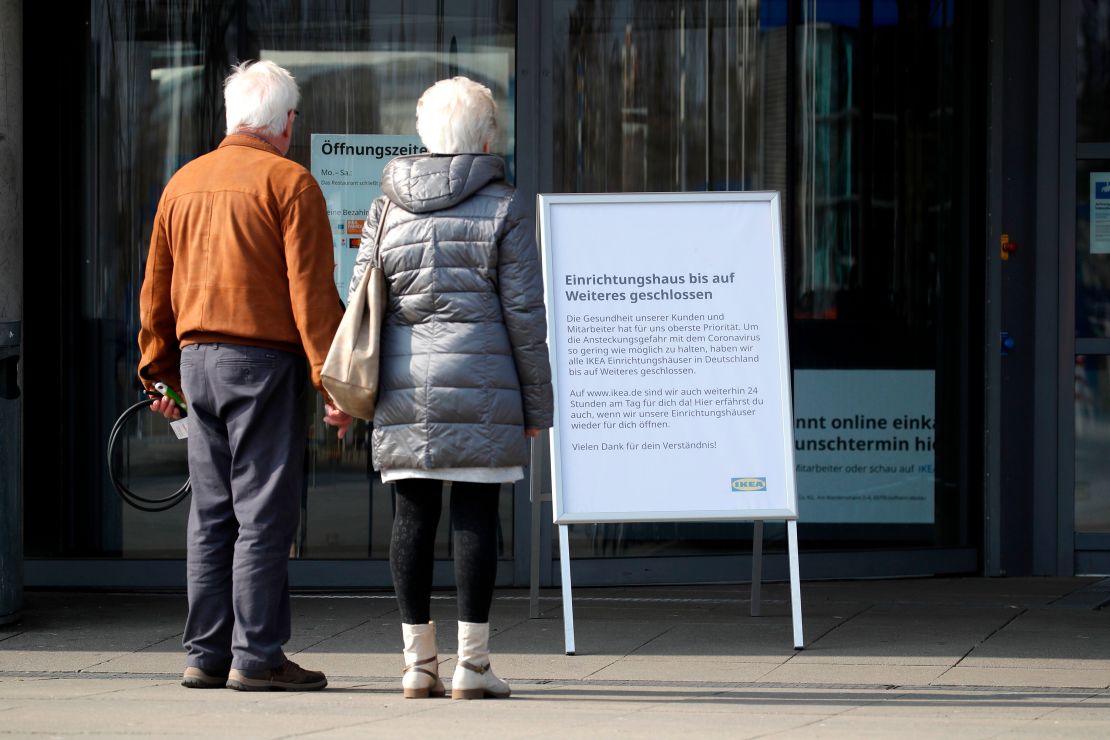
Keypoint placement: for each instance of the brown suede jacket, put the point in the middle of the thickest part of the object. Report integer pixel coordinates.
(241, 253)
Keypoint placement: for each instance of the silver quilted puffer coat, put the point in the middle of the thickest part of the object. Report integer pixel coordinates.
(464, 342)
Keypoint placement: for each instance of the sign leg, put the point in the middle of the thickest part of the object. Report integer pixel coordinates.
(795, 583)
(757, 566)
(537, 505)
(568, 606)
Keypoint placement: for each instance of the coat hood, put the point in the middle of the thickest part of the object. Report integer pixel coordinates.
(422, 183)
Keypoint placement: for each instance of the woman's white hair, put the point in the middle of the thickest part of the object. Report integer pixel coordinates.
(258, 96)
(455, 116)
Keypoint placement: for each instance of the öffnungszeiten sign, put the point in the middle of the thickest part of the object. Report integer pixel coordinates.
(668, 334)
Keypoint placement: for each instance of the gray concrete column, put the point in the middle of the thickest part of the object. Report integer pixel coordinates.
(11, 309)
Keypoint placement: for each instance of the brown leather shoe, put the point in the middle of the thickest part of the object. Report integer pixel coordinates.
(196, 678)
(287, 677)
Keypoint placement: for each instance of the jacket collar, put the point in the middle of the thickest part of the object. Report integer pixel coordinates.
(249, 140)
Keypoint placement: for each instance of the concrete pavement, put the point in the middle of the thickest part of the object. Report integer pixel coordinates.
(907, 658)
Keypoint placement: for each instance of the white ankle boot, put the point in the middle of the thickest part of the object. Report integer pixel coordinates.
(421, 676)
(474, 678)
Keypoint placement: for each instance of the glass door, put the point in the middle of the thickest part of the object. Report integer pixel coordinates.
(361, 67)
(858, 112)
(151, 90)
(1091, 379)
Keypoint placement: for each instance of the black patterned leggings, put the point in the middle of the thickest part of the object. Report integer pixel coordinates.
(474, 541)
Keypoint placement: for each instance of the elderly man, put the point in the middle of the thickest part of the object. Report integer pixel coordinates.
(238, 291)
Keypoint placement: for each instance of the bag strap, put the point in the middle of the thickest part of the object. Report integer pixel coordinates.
(378, 236)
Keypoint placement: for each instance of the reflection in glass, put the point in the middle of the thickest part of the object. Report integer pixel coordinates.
(155, 102)
(1092, 71)
(361, 68)
(860, 130)
(1092, 254)
(1092, 440)
(152, 463)
(680, 96)
(668, 96)
(876, 145)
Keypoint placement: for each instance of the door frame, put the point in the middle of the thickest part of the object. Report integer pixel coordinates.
(1078, 553)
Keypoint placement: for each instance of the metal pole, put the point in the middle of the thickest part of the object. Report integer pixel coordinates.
(757, 567)
(568, 604)
(795, 582)
(11, 310)
(534, 541)
(992, 438)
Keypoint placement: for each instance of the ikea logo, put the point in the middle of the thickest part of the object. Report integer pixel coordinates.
(749, 485)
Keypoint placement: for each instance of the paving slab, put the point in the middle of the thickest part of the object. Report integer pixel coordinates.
(369, 649)
(908, 634)
(754, 701)
(1026, 676)
(600, 722)
(536, 651)
(1054, 638)
(1091, 709)
(757, 639)
(67, 633)
(906, 658)
(810, 699)
(59, 689)
(615, 610)
(942, 728)
(577, 709)
(1021, 592)
(683, 669)
(54, 660)
(927, 704)
(664, 723)
(1049, 728)
(872, 674)
(167, 656)
(94, 639)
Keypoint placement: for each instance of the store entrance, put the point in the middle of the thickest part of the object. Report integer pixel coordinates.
(1085, 77)
(150, 102)
(865, 115)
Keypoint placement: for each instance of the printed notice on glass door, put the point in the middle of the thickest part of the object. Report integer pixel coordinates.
(669, 348)
(349, 170)
(863, 442)
(1100, 213)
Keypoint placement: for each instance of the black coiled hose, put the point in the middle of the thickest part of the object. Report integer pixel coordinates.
(125, 493)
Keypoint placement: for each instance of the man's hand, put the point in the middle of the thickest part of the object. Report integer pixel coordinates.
(532, 433)
(336, 418)
(167, 408)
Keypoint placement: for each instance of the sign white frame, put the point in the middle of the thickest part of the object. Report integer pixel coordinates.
(788, 512)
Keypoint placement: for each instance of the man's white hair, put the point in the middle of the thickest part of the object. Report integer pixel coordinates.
(455, 116)
(258, 96)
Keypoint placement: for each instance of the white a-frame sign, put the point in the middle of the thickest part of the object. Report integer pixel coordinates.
(667, 328)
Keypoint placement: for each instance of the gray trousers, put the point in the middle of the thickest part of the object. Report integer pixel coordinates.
(246, 459)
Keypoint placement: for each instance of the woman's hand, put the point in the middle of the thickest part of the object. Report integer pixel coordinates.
(532, 433)
(336, 418)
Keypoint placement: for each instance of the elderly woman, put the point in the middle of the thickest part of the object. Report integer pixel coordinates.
(465, 377)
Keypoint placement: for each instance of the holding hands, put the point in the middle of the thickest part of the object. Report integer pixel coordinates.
(336, 418)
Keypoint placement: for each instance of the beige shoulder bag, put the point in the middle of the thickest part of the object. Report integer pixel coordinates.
(350, 372)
